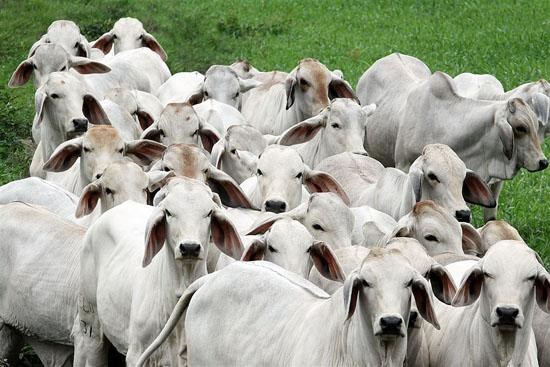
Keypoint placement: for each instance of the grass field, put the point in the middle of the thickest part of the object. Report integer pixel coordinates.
(506, 38)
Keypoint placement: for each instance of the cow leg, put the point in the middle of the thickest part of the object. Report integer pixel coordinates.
(11, 343)
(91, 348)
(491, 213)
(50, 354)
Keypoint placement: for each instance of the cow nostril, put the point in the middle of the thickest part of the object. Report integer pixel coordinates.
(463, 216)
(507, 312)
(390, 322)
(80, 125)
(543, 164)
(275, 206)
(190, 249)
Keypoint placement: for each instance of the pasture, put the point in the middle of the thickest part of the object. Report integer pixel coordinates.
(508, 39)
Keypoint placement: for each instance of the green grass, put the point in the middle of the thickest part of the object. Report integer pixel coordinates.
(506, 38)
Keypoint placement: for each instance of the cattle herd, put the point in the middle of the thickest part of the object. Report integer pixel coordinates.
(267, 218)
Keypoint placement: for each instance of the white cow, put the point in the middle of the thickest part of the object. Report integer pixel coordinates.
(220, 115)
(494, 329)
(128, 34)
(484, 86)
(66, 34)
(437, 174)
(191, 161)
(161, 251)
(94, 151)
(180, 87)
(276, 105)
(180, 124)
(338, 128)
(237, 153)
(362, 324)
(143, 106)
(415, 108)
(492, 232)
(280, 177)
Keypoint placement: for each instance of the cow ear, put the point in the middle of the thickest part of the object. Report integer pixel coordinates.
(476, 191)
(104, 43)
(22, 74)
(209, 135)
(225, 235)
(423, 298)
(416, 176)
(93, 111)
(88, 199)
(339, 88)
(196, 98)
(145, 119)
(317, 181)
(158, 179)
(326, 262)
(144, 152)
(506, 134)
(470, 288)
(263, 226)
(150, 42)
(541, 107)
(40, 100)
(442, 283)
(290, 90)
(64, 156)
(305, 130)
(352, 286)
(472, 243)
(247, 84)
(151, 133)
(86, 66)
(542, 289)
(256, 250)
(155, 235)
(230, 192)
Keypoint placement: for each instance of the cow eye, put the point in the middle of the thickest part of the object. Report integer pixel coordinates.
(166, 169)
(63, 68)
(299, 175)
(161, 132)
(34, 67)
(54, 96)
(272, 249)
(205, 93)
(409, 283)
(121, 150)
(236, 95)
(531, 278)
(521, 129)
(433, 177)
(318, 227)
(115, 36)
(168, 214)
(108, 191)
(303, 82)
(86, 149)
(76, 45)
(335, 125)
(233, 151)
(430, 237)
(259, 172)
(487, 275)
(209, 213)
(365, 283)
(205, 171)
(195, 132)
(140, 37)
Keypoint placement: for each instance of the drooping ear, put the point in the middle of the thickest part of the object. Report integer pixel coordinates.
(404, 227)
(144, 152)
(470, 287)
(542, 289)
(423, 298)
(64, 156)
(209, 135)
(339, 88)
(442, 283)
(317, 181)
(472, 243)
(476, 191)
(22, 74)
(105, 42)
(326, 262)
(230, 192)
(225, 235)
(151, 133)
(155, 235)
(40, 100)
(196, 98)
(541, 107)
(369, 109)
(290, 90)
(263, 226)
(256, 250)
(416, 176)
(158, 179)
(352, 286)
(150, 42)
(86, 66)
(506, 135)
(88, 199)
(305, 130)
(93, 111)
(248, 84)
(145, 119)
